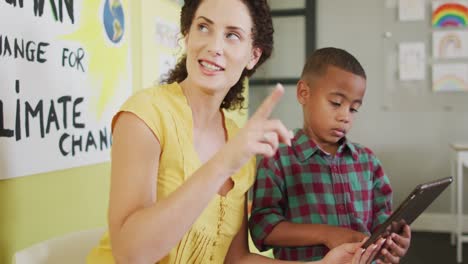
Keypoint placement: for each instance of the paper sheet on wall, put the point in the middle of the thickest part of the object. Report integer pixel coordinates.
(412, 61)
(411, 10)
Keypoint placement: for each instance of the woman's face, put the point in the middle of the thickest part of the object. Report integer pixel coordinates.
(219, 45)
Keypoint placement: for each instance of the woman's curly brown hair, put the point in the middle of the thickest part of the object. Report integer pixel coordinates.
(262, 33)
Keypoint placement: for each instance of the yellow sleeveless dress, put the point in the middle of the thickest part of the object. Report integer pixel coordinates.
(166, 112)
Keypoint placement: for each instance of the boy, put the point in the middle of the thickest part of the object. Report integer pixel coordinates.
(323, 190)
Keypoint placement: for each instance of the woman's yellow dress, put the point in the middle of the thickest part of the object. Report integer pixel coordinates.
(166, 112)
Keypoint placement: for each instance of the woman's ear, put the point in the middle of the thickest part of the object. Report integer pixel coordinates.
(302, 91)
(256, 54)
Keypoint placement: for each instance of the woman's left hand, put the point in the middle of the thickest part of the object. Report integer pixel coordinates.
(352, 253)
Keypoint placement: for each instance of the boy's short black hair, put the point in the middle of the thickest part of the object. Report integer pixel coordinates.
(320, 59)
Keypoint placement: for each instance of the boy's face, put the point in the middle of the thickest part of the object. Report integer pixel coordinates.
(329, 103)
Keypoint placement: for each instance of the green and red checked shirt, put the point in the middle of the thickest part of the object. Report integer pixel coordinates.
(303, 184)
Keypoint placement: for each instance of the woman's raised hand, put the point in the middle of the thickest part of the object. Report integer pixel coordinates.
(260, 136)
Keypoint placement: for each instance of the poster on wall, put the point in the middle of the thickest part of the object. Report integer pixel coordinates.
(65, 70)
(450, 44)
(450, 77)
(166, 37)
(162, 43)
(450, 14)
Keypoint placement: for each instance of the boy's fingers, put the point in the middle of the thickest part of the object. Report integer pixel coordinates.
(402, 240)
(395, 248)
(389, 257)
(406, 232)
(265, 109)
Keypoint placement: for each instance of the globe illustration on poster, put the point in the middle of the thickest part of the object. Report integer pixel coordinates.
(114, 21)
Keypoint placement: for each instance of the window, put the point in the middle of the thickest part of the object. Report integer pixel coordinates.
(294, 24)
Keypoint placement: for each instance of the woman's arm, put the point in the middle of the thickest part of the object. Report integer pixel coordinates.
(141, 229)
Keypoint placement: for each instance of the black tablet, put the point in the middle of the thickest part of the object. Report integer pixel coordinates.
(416, 202)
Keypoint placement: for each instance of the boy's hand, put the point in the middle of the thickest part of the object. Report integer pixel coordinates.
(396, 247)
(340, 235)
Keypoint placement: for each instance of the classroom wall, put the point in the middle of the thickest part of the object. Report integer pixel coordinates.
(38, 207)
(409, 128)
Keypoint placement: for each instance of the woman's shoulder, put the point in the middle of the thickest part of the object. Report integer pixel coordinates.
(158, 95)
(154, 105)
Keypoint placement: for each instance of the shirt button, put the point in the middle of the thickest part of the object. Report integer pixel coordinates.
(214, 243)
(211, 258)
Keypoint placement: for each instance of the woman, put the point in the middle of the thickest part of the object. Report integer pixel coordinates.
(180, 169)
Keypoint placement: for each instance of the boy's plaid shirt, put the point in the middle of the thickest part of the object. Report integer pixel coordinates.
(302, 184)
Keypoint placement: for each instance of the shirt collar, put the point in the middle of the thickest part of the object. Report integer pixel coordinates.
(304, 147)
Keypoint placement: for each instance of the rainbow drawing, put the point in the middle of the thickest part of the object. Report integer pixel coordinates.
(450, 83)
(451, 40)
(450, 44)
(450, 78)
(450, 14)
